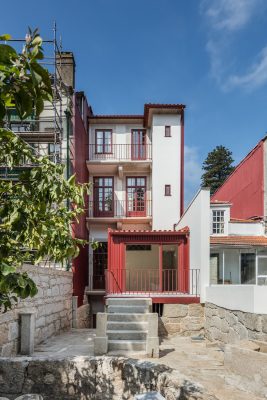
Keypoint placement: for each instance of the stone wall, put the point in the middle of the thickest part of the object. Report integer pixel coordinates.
(52, 304)
(227, 326)
(185, 319)
(94, 378)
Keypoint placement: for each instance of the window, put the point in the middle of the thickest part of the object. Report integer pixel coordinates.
(138, 247)
(167, 190)
(138, 144)
(103, 141)
(218, 221)
(103, 197)
(167, 131)
(136, 193)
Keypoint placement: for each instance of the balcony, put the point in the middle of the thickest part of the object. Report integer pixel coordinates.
(120, 209)
(126, 155)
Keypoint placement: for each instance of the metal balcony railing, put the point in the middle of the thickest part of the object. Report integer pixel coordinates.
(134, 152)
(120, 208)
(151, 280)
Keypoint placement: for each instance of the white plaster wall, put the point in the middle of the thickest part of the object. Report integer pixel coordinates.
(166, 170)
(121, 133)
(246, 229)
(247, 298)
(197, 218)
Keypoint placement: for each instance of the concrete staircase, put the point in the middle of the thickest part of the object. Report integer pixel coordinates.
(128, 327)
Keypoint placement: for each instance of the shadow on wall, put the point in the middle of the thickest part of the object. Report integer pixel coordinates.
(95, 378)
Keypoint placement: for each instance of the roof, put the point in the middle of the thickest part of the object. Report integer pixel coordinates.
(239, 240)
(145, 116)
(219, 202)
(182, 231)
(245, 221)
(250, 154)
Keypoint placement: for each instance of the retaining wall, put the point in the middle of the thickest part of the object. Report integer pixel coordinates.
(94, 378)
(228, 326)
(52, 304)
(185, 319)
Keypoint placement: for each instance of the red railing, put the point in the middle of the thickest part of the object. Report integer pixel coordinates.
(120, 208)
(134, 152)
(137, 281)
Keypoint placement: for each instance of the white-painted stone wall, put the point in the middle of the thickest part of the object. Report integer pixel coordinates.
(246, 298)
(197, 218)
(52, 304)
(166, 170)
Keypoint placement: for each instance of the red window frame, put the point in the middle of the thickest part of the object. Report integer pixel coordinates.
(97, 211)
(103, 145)
(138, 208)
(139, 149)
(168, 131)
(168, 191)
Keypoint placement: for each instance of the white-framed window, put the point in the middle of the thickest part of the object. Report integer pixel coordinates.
(218, 221)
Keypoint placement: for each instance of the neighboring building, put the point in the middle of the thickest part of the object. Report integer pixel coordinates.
(246, 187)
(136, 167)
(232, 226)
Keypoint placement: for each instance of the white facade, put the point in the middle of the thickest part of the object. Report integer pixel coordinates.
(197, 218)
(156, 160)
(166, 170)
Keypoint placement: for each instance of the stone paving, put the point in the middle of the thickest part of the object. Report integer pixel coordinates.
(198, 362)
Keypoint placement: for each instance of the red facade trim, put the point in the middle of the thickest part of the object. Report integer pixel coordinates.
(182, 165)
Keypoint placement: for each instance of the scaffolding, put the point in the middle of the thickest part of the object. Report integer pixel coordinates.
(47, 134)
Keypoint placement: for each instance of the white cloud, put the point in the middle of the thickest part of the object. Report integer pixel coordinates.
(226, 17)
(193, 172)
(230, 15)
(256, 76)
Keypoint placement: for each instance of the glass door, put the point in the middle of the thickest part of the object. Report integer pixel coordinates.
(136, 196)
(103, 197)
(169, 267)
(138, 144)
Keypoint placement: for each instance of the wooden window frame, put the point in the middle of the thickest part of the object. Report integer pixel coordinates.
(103, 145)
(168, 190)
(168, 132)
(139, 145)
(97, 212)
(141, 213)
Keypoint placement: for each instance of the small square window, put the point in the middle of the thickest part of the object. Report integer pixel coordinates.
(167, 131)
(167, 190)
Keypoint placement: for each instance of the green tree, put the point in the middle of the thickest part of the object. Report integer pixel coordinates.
(35, 222)
(217, 167)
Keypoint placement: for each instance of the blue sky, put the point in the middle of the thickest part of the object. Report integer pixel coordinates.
(208, 54)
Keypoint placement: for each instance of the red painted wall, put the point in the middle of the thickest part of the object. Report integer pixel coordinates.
(79, 153)
(245, 186)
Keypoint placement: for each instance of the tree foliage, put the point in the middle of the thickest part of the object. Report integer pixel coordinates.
(217, 167)
(35, 222)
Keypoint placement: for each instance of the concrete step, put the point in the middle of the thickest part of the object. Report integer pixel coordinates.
(126, 335)
(128, 301)
(121, 325)
(125, 309)
(127, 353)
(129, 345)
(127, 317)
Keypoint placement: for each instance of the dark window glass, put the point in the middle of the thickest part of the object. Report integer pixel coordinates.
(167, 190)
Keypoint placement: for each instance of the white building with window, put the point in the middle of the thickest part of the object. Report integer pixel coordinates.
(136, 168)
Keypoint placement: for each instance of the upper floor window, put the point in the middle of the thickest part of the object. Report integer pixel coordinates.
(167, 190)
(138, 144)
(103, 141)
(217, 221)
(167, 131)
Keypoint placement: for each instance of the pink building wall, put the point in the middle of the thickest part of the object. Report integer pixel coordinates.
(244, 188)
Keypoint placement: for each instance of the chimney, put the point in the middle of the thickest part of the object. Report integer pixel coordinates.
(66, 68)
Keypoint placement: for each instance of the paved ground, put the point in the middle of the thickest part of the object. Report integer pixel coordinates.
(197, 361)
